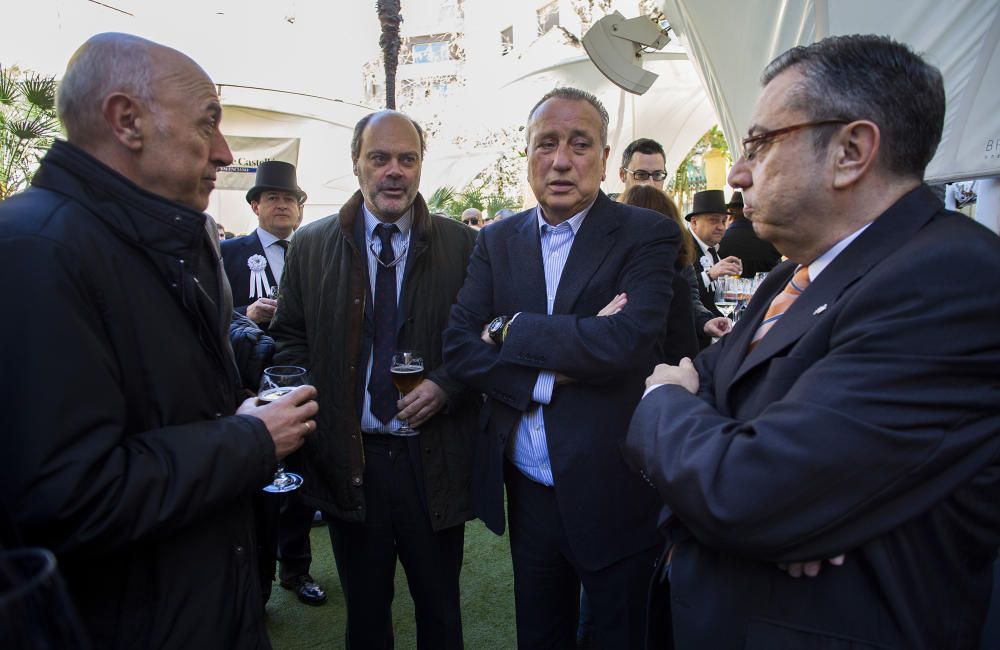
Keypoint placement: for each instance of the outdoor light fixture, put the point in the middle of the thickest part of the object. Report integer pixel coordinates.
(615, 46)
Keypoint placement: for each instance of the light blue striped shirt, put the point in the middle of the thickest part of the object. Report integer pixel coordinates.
(528, 447)
(400, 248)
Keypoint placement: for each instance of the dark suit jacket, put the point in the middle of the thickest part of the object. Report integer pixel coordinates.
(706, 294)
(235, 253)
(608, 512)
(866, 422)
(757, 255)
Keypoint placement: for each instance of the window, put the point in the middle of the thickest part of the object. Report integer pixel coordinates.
(548, 17)
(507, 41)
(430, 52)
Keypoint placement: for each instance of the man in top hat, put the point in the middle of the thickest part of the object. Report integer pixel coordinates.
(740, 240)
(254, 262)
(707, 221)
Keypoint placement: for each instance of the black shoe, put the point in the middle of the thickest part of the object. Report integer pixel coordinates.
(308, 591)
(317, 519)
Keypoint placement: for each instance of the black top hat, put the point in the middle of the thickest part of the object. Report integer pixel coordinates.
(707, 202)
(736, 201)
(275, 175)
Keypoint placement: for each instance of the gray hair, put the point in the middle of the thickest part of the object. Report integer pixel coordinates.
(359, 129)
(574, 94)
(105, 64)
(871, 78)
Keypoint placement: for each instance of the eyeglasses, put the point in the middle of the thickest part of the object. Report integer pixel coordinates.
(643, 175)
(753, 144)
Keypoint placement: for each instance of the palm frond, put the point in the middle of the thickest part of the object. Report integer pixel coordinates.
(40, 91)
(9, 90)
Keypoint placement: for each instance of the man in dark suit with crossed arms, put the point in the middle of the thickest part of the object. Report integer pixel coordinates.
(853, 414)
(561, 381)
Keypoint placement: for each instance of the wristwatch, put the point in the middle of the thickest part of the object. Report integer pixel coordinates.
(497, 329)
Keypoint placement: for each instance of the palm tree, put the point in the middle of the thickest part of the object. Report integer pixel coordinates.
(389, 16)
(27, 126)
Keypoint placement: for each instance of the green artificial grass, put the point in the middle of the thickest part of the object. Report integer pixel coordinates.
(487, 599)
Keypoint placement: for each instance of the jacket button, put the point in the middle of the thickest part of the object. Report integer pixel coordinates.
(437, 515)
(239, 550)
(218, 415)
(356, 480)
(357, 301)
(427, 450)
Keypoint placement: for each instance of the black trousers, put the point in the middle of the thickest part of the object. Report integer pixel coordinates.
(294, 524)
(397, 525)
(547, 577)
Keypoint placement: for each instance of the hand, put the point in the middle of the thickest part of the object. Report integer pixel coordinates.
(809, 569)
(485, 336)
(718, 327)
(421, 403)
(616, 305)
(288, 419)
(682, 374)
(728, 266)
(262, 311)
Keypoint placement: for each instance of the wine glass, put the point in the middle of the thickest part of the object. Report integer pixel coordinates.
(407, 372)
(725, 296)
(277, 382)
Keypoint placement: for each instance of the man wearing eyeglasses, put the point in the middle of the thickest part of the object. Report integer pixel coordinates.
(377, 278)
(853, 414)
(643, 163)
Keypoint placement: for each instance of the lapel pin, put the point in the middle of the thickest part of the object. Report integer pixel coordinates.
(820, 310)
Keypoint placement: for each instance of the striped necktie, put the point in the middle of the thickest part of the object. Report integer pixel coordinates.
(781, 302)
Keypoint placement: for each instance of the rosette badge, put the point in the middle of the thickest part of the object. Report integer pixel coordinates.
(259, 286)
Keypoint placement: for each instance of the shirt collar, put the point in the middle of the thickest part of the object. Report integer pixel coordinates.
(403, 223)
(824, 260)
(574, 222)
(266, 238)
(701, 244)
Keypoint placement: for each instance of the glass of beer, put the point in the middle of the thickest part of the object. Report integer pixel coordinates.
(407, 372)
(277, 382)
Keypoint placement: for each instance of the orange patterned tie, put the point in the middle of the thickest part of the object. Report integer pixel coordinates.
(781, 302)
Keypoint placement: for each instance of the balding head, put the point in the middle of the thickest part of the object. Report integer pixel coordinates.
(147, 111)
(105, 64)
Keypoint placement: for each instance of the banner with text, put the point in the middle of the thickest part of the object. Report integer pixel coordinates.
(248, 152)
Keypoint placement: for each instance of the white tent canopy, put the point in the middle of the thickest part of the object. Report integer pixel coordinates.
(731, 44)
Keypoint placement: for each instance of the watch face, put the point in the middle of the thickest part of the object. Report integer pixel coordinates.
(496, 325)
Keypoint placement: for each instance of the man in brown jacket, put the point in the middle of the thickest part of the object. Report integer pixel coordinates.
(376, 278)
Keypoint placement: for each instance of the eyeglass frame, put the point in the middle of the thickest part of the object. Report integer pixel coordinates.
(648, 175)
(768, 136)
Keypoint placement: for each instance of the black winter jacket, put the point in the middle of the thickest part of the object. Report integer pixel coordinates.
(121, 452)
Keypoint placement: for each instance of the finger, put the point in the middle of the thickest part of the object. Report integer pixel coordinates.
(686, 363)
(795, 569)
(300, 395)
(811, 569)
(837, 561)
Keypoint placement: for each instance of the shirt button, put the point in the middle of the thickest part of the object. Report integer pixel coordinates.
(357, 301)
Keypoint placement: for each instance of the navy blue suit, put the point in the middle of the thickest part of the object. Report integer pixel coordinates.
(866, 422)
(235, 253)
(603, 511)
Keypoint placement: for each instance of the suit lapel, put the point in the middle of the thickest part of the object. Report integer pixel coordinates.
(590, 246)
(883, 236)
(524, 253)
(259, 249)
